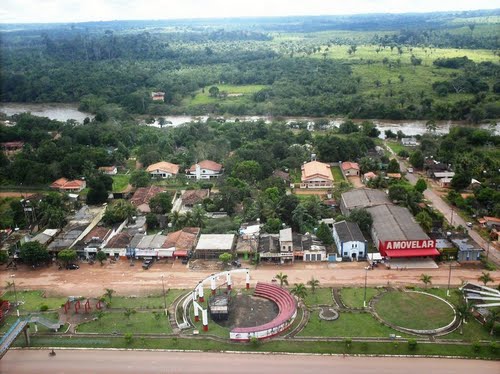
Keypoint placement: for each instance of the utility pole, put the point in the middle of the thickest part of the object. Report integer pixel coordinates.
(488, 250)
(15, 293)
(164, 297)
(364, 297)
(449, 279)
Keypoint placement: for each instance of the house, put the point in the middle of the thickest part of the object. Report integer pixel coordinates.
(369, 176)
(158, 96)
(349, 168)
(283, 175)
(150, 246)
(409, 142)
(445, 182)
(431, 166)
(211, 246)
(205, 169)
(278, 248)
(182, 241)
(12, 147)
(316, 174)
(362, 198)
(95, 240)
(65, 185)
(349, 240)
(442, 174)
(313, 249)
(46, 237)
(489, 222)
(467, 250)
(393, 175)
(163, 170)
(191, 198)
(109, 170)
(117, 245)
(474, 183)
(143, 195)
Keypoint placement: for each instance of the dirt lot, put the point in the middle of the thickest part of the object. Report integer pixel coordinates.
(355, 181)
(91, 280)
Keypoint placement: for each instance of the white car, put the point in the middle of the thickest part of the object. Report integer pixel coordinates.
(469, 224)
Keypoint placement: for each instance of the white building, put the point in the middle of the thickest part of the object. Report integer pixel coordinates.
(205, 169)
(349, 240)
(163, 170)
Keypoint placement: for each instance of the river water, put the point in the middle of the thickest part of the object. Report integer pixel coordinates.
(63, 112)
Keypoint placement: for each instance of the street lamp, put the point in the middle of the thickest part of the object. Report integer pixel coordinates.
(364, 297)
(15, 293)
(164, 297)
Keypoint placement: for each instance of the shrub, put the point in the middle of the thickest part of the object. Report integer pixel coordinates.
(254, 342)
(476, 347)
(494, 347)
(412, 344)
(348, 342)
(44, 308)
(128, 338)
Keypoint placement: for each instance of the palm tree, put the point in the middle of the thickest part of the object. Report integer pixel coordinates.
(283, 278)
(109, 293)
(174, 218)
(463, 312)
(299, 290)
(128, 312)
(314, 283)
(426, 279)
(492, 318)
(485, 278)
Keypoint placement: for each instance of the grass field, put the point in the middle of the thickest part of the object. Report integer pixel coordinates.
(139, 323)
(337, 174)
(31, 301)
(398, 147)
(353, 297)
(149, 302)
(413, 310)
(322, 296)
(202, 98)
(348, 325)
(120, 182)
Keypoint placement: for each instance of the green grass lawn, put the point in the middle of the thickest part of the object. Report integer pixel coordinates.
(413, 310)
(472, 331)
(31, 301)
(120, 182)
(354, 297)
(148, 302)
(321, 296)
(347, 325)
(202, 98)
(337, 174)
(394, 348)
(139, 323)
(397, 147)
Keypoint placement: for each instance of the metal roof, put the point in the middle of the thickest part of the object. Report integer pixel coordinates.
(215, 242)
(364, 197)
(392, 222)
(348, 231)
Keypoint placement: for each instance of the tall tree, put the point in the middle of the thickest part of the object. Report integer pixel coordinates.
(313, 283)
(283, 279)
(299, 290)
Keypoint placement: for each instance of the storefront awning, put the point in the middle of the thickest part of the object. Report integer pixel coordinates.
(393, 253)
(180, 253)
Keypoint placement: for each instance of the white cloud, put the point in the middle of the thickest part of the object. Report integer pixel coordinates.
(97, 10)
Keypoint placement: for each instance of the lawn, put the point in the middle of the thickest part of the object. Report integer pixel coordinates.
(347, 325)
(120, 182)
(413, 310)
(241, 93)
(394, 348)
(353, 297)
(472, 331)
(31, 301)
(148, 302)
(337, 174)
(117, 322)
(397, 146)
(322, 296)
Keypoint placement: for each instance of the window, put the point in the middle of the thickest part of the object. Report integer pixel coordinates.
(345, 254)
(289, 247)
(308, 257)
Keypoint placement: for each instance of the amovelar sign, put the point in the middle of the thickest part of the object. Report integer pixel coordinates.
(410, 244)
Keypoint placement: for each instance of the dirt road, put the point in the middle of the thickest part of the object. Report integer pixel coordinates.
(91, 280)
(122, 362)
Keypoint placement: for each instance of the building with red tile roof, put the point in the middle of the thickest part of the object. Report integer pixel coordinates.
(316, 174)
(163, 169)
(205, 169)
(143, 195)
(349, 168)
(65, 185)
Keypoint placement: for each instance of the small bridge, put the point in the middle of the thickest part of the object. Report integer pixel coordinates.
(22, 326)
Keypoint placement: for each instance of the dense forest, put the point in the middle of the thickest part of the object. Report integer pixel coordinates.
(404, 66)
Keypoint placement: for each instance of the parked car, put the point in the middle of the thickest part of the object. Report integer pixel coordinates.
(185, 260)
(469, 224)
(147, 264)
(236, 263)
(72, 267)
(410, 170)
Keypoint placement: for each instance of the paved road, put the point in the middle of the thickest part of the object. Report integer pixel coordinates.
(451, 216)
(123, 362)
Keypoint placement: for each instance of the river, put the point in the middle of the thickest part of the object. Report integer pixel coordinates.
(63, 112)
(57, 111)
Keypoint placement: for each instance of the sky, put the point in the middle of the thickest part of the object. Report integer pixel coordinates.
(46, 11)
